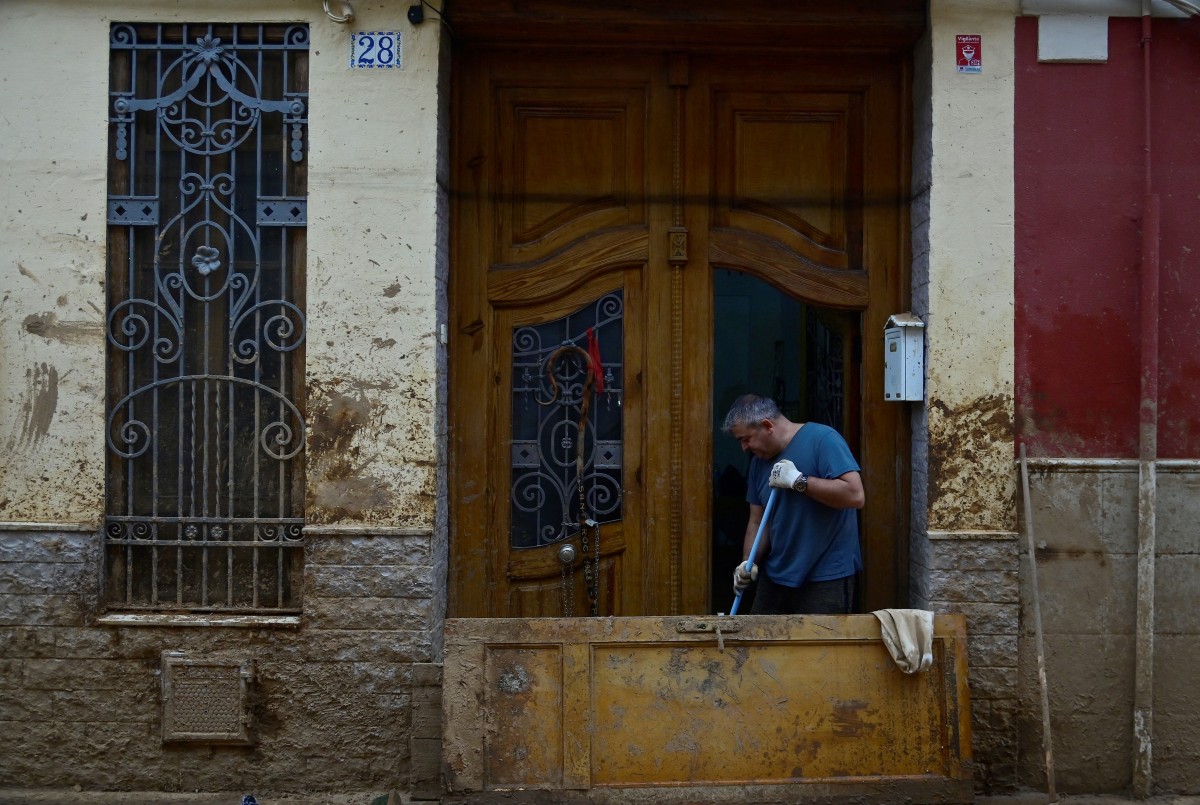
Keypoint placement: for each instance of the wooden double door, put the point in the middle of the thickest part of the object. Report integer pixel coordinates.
(597, 198)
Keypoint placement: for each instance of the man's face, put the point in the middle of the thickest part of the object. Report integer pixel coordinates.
(760, 440)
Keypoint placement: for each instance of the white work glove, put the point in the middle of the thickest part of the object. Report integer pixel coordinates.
(784, 475)
(743, 577)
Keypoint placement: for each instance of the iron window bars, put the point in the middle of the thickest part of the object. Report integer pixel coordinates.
(207, 210)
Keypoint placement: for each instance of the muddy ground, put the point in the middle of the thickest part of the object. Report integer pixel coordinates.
(76, 797)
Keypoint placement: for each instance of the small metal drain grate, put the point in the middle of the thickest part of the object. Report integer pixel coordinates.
(205, 699)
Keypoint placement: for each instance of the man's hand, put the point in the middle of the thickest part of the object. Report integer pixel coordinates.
(742, 577)
(784, 475)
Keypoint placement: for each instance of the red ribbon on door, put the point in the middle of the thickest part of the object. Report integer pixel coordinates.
(593, 350)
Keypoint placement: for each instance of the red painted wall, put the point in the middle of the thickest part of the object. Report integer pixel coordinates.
(1079, 189)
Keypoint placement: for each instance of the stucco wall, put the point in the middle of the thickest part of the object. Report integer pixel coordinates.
(1081, 177)
(341, 694)
(969, 327)
(963, 556)
(1080, 170)
(52, 214)
(1030, 205)
(372, 315)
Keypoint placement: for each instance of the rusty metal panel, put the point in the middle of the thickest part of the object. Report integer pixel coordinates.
(523, 736)
(623, 709)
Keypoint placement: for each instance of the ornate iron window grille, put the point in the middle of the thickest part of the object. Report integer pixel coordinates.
(207, 211)
(544, 501)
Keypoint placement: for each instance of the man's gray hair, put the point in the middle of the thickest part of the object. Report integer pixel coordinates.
(749, 410)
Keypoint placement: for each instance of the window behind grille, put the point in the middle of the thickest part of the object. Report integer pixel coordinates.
(206, 213)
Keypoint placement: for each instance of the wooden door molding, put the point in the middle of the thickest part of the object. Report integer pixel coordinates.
(751, 25)
(848, 259)
(552, 228)
(541, 280)
(677, 165)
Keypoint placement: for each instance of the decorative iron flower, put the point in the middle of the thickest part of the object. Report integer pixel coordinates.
(207, 260)
(208, 49)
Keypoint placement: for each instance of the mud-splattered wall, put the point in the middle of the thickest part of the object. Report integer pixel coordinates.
(963, 555)
(336, 690)
(1117, 591)
(372, 307)
(334, 699)
(1085, 521)
(373, 327)
(52, 227)
(969, 321)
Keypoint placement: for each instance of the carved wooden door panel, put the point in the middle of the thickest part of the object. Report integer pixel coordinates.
(595, 194)
(554, 164)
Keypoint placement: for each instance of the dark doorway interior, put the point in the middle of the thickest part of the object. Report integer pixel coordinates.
(806, 358)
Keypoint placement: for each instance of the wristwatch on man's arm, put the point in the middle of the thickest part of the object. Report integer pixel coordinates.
(784, 475)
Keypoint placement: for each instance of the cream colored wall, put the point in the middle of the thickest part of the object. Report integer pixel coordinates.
(969, 386)
(372, 325)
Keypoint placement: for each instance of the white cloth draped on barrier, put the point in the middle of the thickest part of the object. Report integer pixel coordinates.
(908, 635)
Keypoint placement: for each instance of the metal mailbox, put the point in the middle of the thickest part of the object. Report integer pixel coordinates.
(904, 358)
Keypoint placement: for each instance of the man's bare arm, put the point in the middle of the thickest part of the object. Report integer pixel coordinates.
(756, 515)
(842, 492)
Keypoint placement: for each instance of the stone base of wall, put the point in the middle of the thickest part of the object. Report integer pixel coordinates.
(425, 738)
(343, 699)
(975, 573)
(69, 796)
(1085, 526)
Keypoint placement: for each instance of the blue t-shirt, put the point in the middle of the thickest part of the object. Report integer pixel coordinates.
(809, 541)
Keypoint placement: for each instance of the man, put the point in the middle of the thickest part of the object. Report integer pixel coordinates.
(809, 554)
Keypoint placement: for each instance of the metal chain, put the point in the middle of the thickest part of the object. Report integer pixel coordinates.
(591, 573)
(594, 586)
(568, 605)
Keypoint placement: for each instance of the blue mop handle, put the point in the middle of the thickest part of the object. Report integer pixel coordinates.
(762, 526)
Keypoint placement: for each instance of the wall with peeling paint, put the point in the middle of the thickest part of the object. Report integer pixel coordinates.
(1080, 203)
(1116, 592)
(341, 694)
(372, 288)
(52, 222)
(963, 555)
(969, 320)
